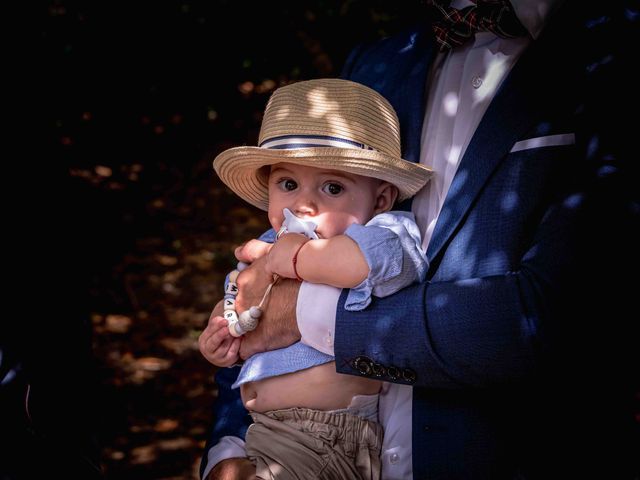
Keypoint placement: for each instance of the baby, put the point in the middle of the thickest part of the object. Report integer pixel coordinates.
(328, 159)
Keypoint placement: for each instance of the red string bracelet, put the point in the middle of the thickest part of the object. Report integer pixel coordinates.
(294, 260)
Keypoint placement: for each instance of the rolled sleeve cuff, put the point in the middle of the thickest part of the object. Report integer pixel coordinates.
(316, 314)
(382, 249)
(227, 447)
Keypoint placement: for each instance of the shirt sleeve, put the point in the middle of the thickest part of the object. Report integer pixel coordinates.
(227, 447)
(316, 315)
(392, 246)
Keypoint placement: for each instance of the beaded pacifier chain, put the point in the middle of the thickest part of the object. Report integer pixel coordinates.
(248, 320)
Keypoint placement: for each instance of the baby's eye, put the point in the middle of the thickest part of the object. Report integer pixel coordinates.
(332, 188)
(287, 185)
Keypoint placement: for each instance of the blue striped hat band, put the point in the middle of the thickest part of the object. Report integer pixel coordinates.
(288, 142)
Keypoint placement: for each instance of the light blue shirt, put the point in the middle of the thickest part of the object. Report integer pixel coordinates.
(391, 245)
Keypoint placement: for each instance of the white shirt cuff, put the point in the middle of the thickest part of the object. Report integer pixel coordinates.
(316, 314)
(227, 447)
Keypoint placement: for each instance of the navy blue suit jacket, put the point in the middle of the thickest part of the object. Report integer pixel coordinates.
(501, 338)
(516, 341)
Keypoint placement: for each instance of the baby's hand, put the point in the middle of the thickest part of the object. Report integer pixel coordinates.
(217, 345)
(280, 257)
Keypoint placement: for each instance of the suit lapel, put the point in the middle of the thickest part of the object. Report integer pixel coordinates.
(412, 107)
(513, 110)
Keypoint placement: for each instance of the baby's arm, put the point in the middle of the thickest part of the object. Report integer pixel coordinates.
(336, 261)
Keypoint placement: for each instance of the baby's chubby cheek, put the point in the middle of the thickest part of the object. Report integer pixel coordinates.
(335, 224)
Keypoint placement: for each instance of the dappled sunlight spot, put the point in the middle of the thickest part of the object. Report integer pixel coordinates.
(144, 454)
(179, 346)
(166, 260)
(158, 203)
(496, 258)
(509, 202)
(450, 103)
(246, 88)
(118, 323)
(440, 300)
(179, 443)
(454, 154)
(135, 370)
(497, 64)
(593, 146)
(202, 259)
(320, 104)
(116, 455)
(152, 364)
(170, 288)
(103, 171)
(607, 170)
(82, 173)
(574, 201)
(166, 425)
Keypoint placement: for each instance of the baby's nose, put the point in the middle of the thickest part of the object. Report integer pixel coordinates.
(305, 207)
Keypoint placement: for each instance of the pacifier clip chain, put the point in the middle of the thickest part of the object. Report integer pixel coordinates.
(247, 320)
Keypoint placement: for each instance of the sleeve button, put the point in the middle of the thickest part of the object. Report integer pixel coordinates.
(362, 364)
(378, 370)
(409, 375)
(393, 372)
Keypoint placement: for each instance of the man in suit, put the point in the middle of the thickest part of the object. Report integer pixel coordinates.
(512, 351)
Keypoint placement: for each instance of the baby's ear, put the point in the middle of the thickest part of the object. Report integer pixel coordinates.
(386, 197)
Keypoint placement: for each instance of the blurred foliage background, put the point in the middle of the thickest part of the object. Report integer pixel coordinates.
(137, 98)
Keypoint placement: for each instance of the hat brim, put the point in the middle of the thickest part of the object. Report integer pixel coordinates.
(240, 168)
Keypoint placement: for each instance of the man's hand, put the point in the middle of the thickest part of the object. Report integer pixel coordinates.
(216, 343)
(277, 327)
(233, 469)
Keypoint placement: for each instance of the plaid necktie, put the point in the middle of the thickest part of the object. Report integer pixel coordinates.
(454, 27)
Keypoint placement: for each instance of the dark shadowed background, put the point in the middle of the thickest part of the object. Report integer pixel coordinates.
(137, 98)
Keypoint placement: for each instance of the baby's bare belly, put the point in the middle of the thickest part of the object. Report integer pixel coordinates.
(320, 388)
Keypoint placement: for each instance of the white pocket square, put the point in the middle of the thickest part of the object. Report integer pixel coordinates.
(546, 141)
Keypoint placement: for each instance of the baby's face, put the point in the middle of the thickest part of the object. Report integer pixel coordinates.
(332, 199)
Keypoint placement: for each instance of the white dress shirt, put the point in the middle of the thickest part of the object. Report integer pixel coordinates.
(463, 83)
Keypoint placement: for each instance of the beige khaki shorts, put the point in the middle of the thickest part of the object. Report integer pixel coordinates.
(300, 443)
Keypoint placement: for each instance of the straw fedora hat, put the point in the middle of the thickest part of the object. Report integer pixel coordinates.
(327, 123)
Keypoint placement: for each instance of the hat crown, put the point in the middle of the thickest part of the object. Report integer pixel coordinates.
(334, 109)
